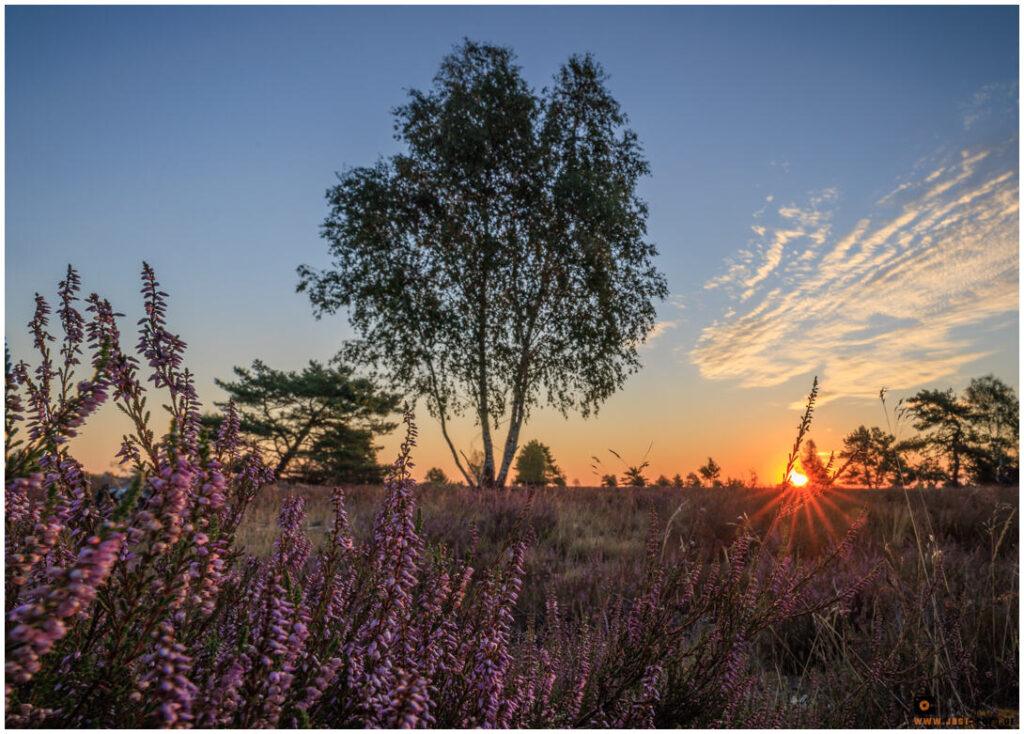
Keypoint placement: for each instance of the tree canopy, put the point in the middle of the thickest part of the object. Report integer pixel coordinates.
(500, 261)
(318, 424)
(981, 428)
(994, 416)
(870, 455)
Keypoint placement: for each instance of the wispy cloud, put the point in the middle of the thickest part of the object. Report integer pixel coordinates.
(885, 303)
(660, 327)
(991, 100)
(749, 268)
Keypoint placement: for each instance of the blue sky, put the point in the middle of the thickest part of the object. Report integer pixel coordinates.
(834, 192)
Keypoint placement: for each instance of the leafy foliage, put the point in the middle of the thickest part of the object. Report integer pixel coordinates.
(939, 412)
(318, 424)
(994, 456)
(980, 429)
(499, 262)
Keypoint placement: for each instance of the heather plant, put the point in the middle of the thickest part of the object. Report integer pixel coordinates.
(105, 595)
(141, 612)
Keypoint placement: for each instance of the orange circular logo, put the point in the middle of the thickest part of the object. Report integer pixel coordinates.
(924, 705)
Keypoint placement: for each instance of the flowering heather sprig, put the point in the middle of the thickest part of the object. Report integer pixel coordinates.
(286, 632)
(15, 376)
(207, 572)
(735, 681)
(164, 685)
(25, 559)
(228, 439)
(18, 507)
(169, 496)
(162, 350)
(35, 626)
(216, 704)
(291, 549)
(210, 494)
(40, 320)
(129, 452)
(492, 656)
(72, 322)
(188, 411)
(409, 705)
(640, 714)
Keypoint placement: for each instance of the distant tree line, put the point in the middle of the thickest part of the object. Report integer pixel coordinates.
(970, 437)
(319, 426)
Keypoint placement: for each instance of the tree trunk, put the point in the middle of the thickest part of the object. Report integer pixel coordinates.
(511, 440)
(518, 406)
(293, 450)
(486, 478)
(956, 465)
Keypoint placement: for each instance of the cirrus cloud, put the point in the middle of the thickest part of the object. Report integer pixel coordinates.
(897, 300)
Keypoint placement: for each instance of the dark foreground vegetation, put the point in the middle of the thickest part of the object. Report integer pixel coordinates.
(163, 605)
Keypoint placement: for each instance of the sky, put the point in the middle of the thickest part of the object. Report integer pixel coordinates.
(834, 193)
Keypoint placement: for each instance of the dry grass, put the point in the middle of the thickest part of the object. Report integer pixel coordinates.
(591, 539)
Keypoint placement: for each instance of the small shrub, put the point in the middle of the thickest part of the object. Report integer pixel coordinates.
(536, 467)
(436, 477)
(710, 472)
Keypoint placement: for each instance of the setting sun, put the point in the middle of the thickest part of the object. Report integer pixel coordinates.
(797, 479)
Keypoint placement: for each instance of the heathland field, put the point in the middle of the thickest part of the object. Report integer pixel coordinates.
(196, 592)
(925, 585)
